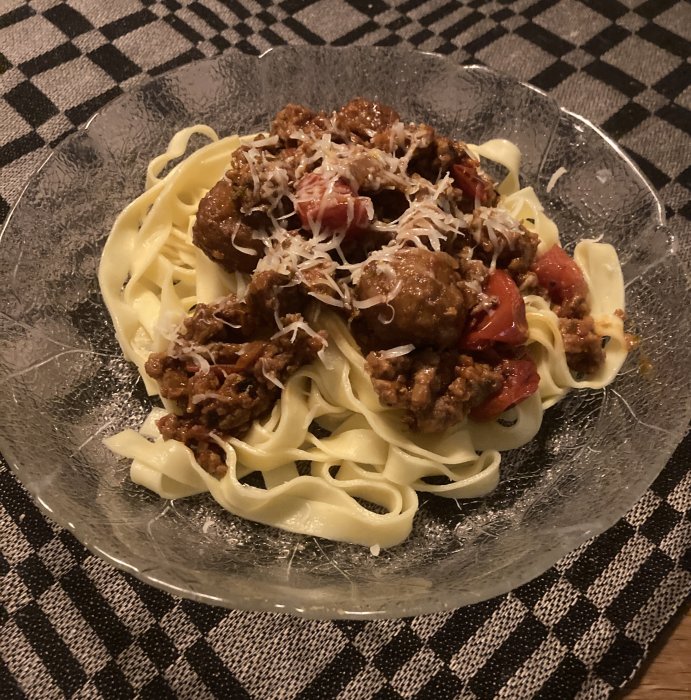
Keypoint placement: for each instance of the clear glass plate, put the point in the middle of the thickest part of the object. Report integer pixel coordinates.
(64, 385)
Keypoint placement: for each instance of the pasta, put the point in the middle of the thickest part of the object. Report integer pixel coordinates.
(364, 471)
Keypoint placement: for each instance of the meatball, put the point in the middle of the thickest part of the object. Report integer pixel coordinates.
(427, 305)
(222, 232)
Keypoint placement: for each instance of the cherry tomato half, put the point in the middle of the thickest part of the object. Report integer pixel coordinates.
(335, 209)
(505, 323)
(470, 183)
(559, 274)
(521, 380)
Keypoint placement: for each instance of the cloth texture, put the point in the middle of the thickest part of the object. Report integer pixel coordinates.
(71, 626)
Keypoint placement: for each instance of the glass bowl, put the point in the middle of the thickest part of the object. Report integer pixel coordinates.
(64, 384)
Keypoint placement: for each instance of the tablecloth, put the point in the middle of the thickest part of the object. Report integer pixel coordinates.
(74, 627)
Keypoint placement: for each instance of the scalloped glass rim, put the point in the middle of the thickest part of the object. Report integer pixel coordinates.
(455, 557)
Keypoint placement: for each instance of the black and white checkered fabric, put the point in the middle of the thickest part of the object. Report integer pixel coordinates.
(74, 627)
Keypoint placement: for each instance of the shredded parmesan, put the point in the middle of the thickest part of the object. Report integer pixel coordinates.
(272, 377)
(241, 248)
(326, 299)
(378, 298)
(203, 396)
(294, 328)
(226, 323)
(430, 220)
(555, 176)
(398, 351)
(383, 319)
(200, 361)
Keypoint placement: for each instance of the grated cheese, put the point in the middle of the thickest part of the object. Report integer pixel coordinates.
(200, 361)
(272, 377)
(203, 396)
(326, 299)
(294, 328)
(241, 248)
(555, 176)
(320, 165)
(398, 351)
(386, 321)
(378, 298)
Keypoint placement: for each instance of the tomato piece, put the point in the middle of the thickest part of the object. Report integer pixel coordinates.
(505, 323)
(521, 380)
(559, 274)
(335, 207)
(470, 183)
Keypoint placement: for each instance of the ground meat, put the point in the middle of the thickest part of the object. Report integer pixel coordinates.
(159, 364)
(583, 346)
(225, 367)
(528, 283)
(435, 154)
(237, 387)
(363, 119)
(427, 305)
(517, 247)
(389, 204)
(315, 279)
(269, 295)
(227, 321)
(220, 227)
(239, 175)
(475, 274)
(436, 389)
(575, 307)
(294, 118)
(358, 247)
(209, 455)
(356, 122)
(523, 255)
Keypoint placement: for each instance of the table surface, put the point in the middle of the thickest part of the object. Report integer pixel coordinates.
(666, 675)
(72, 626)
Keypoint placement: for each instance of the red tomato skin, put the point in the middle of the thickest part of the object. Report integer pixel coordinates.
(560, 275)
(521, 380)
(467, 180)
(334, 217)
(506, 323)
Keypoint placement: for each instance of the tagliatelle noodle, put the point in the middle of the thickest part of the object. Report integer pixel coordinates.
(151, 275)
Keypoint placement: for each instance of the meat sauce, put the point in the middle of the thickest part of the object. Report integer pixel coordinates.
(394, 227)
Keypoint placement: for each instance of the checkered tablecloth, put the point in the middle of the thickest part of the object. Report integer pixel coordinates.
(74, 627)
